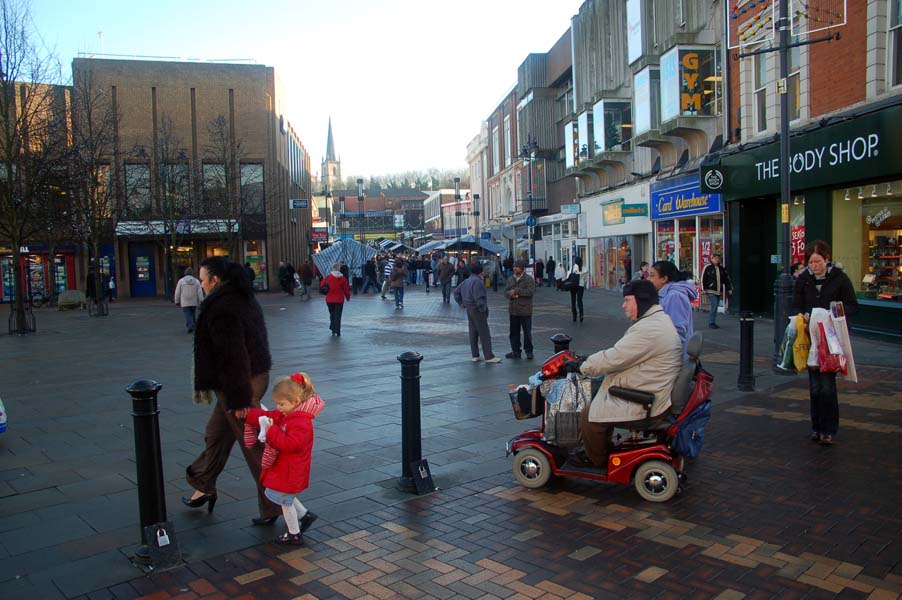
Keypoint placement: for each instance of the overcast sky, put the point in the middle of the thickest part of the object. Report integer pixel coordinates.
(406, 82)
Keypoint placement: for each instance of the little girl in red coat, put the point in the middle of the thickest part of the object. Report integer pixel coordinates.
(289, 432)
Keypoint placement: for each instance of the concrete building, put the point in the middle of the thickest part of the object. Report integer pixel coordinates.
(393, 213)
(207, 160)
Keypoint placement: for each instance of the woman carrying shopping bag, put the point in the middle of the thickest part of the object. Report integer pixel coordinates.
(817, 286)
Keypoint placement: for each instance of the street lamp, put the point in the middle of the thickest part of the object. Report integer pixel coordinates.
(458, 213)
(529, 153)
(476, 215)
(360, 209)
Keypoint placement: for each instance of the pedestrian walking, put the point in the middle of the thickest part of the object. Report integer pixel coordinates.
(577, 290)
(249, 271)
(560, 274)
(397, 279)
(540, 271)
(189, 295)
(305, 271)
(444, 272)
(231, 368)
(386, 275)
(369, 277)
(520, 290)
(716, 285)
(288, 434)
(550, 267)
(816, 287)
(676, 291)
(471, 294)
(337, 292)
(286, 277)
(642, 273)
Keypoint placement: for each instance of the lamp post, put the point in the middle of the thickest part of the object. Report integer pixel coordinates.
(360, 209)
(476, 215)
(457, 213)
(529, 154)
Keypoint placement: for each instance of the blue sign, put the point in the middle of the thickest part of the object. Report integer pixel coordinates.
(486, 235)
(681, 197)
(531, 221)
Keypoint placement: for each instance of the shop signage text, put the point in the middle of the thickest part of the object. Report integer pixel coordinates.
(680, 198)
(612, 212)
(570, 208)
(635, 210)
(298, 203)
(837, 153)
(856, 149)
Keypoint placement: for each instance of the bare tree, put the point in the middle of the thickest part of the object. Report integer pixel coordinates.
(232, 187)
(94, 176)
(32, 140)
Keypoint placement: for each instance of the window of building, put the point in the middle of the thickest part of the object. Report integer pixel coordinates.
(137, 190)
(214, 194)
(647, 100)
(508, 140)
(174, 189)
(496, 151)
(252, 189)
(895, 42)
(760, 92)
(793, 83)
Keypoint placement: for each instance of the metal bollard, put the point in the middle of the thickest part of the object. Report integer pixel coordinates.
(148, 458)
(411, 439)
(746, 380)
(561, 342)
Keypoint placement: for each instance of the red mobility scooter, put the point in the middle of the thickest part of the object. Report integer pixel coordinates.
(652, 456)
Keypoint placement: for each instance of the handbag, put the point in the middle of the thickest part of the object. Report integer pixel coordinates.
(838, 316)
(324, 289)
(572, 281)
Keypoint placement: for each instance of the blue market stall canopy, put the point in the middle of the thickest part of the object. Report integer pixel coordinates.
(350, 252)
(430, 246)
(470, 242)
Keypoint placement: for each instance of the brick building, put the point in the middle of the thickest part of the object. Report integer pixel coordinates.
(206, 162)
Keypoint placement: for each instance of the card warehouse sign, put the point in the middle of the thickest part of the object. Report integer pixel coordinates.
(864, 147)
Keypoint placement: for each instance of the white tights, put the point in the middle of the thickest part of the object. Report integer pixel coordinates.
(292, 514)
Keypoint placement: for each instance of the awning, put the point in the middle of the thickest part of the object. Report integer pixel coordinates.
(350, 252)
(430, 246)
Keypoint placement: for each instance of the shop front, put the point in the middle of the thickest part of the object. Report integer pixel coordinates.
(619, 233)
(688, 224)
(846, 182)
(558, 234)
(36, 271)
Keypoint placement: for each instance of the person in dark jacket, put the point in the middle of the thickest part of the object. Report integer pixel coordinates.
(817, 286)
(550, 266)
(717, 285)
(520, 290)
(339, 291)
(232, 363)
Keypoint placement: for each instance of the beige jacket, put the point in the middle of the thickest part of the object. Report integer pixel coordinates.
(648, 358)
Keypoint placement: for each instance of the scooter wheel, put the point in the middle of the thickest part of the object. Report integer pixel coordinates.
(656, 481)
(531, 468)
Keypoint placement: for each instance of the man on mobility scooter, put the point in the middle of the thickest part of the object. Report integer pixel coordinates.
(648, 388)
(646, 359)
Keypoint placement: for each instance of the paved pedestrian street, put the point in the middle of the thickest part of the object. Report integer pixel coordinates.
(765, 513)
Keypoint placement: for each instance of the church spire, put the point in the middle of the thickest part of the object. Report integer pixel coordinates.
(330, 145)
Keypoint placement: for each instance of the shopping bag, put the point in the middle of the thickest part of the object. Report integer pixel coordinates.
(841, 327)
(2, 418)
(802, 344)
(817, 316)
(826, 360)
(787, 362)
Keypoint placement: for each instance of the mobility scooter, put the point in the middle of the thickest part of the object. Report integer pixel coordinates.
(651, 456)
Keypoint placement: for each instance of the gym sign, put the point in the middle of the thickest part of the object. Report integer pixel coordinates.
(855, 149)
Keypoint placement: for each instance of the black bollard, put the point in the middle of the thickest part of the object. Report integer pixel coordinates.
(148, 459)
(561, 342)
(411, 439)
(746, 381)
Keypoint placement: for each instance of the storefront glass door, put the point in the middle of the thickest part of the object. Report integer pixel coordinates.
(687, 246)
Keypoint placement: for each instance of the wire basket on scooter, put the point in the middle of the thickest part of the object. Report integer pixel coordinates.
(565, 401)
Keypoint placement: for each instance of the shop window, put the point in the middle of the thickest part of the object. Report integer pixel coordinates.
(252, 189)
(508, 140)
(687, 246)
(665, 242)
(613, 125)
(647, 99)
(867, 239)
(895, 42)
(174, 189)
(760, 92)
(214, 176)
(496, 151)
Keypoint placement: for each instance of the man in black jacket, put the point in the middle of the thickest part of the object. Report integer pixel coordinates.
(716, 285)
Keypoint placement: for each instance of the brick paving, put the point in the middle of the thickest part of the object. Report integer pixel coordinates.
(765, 513)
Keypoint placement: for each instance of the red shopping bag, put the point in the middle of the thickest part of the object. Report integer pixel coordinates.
(829, 363)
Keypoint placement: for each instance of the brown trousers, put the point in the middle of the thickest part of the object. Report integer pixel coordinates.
(223, 430)
(597, 436)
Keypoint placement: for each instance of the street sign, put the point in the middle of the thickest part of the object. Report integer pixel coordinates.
(299, 203)
(531, 221)
(486, 235)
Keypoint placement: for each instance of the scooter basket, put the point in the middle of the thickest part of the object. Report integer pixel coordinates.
(527, 404)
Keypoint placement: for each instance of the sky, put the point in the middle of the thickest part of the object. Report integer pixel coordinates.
(405, 82)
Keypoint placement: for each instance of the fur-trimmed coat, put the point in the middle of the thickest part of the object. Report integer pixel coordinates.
(230, 346)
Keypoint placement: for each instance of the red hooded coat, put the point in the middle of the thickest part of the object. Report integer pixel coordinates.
(292, 436)
(339, 290)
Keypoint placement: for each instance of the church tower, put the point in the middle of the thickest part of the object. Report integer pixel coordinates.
(330, 173)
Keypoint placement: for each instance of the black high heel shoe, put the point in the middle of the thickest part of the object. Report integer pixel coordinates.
(208, 499)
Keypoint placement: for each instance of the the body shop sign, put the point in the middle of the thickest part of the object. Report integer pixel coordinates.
(865, 147)
(681, 197)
